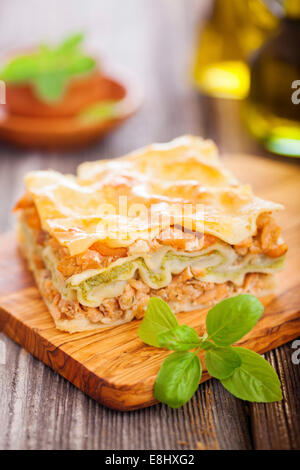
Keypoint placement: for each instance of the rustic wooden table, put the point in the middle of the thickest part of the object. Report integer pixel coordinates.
(38, 408)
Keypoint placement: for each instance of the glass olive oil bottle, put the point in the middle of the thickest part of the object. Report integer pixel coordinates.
(272, 110)
(234, 30)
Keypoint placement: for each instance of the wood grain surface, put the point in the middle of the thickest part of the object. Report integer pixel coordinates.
(38, 408)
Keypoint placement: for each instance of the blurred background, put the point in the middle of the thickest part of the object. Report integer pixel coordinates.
(222, 69)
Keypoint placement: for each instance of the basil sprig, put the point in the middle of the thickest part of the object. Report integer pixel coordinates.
(49, 69)
(244, 373)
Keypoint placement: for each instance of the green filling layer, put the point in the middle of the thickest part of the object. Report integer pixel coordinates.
(215, 265)
(110, 275)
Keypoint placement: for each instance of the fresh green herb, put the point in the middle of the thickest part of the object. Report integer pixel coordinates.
(159, 318)
(98, 112)
(245, 374)
(49, 69)
(221, 362)
(51, 86)
(180, 338)
(178, 378)
(231, 319)
(254, 380)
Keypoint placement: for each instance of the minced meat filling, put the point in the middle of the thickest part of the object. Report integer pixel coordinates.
(265, 241)
(133, 301)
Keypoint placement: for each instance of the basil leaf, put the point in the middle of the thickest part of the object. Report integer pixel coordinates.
(79, 64)
(159, 317)
(100, 111)
(255, 380)
(178, 379)
(50, 87)
(71, 42)
(181, 338)
(20, 69)
(221, 362)
(232, 318)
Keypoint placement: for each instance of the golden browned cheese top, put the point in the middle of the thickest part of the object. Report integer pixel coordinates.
(76, 210)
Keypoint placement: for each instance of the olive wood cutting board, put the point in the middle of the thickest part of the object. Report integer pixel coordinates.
(112, 365)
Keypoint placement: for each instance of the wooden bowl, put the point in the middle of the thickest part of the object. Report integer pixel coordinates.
(59, 127)
(22, 100)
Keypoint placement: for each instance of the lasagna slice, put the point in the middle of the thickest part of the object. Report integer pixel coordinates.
(101, 243)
